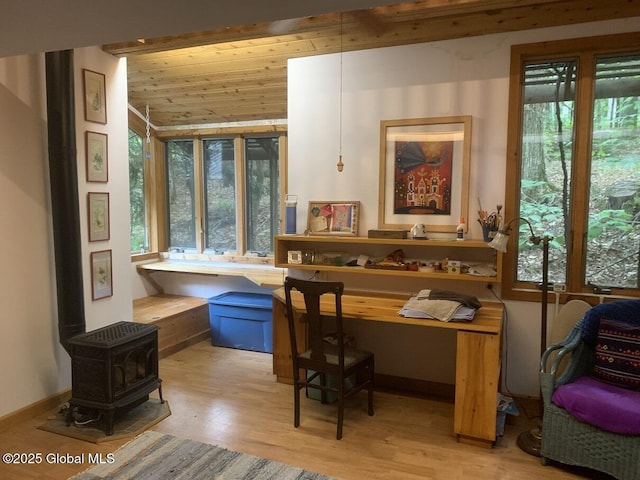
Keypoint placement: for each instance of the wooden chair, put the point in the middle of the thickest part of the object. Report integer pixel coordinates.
(331, 364)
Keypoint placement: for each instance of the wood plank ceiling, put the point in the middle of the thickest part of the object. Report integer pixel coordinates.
(239, 73)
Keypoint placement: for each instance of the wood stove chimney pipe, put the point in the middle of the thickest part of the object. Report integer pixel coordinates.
(65, 208)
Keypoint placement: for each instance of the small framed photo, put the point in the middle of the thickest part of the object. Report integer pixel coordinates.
(95, 98)
(98, 212)
(101, 277)
(294, 257)
(97, 157)
(333, 218)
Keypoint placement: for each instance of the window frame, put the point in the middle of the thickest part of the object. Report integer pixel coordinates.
(152, 192)
(585, 50)
(237, 134)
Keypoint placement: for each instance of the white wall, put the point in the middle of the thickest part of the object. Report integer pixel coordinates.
(467, 76)
(36, 366)
(118, 307)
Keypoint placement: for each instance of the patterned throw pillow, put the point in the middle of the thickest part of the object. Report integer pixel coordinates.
(618, 354)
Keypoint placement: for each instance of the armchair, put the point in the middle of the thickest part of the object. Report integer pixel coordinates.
(592, 408)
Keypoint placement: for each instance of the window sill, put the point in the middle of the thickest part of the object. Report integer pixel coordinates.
(261, 272)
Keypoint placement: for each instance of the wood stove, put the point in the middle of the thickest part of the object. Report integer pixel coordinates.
(113, 370)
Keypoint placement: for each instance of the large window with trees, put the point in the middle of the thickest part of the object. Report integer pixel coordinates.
(223, 194)
(573, 166)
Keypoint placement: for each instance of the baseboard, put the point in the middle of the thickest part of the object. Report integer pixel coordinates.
(34, 410)
(170, 350)
(414, 386)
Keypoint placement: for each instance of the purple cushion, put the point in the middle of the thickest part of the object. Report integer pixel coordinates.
(618, 353)
(600, 404)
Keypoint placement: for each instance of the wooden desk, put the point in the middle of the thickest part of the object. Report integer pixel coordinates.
(477, 353)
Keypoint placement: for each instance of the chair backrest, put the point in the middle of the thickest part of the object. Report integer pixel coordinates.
(627, 311)
(570, 313)
(312, 291)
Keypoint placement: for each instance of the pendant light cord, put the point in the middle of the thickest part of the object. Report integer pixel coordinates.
(340, 164)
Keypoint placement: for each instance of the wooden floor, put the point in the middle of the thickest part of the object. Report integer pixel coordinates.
(230, 398)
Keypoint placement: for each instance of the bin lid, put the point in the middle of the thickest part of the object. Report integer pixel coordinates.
(243, 299)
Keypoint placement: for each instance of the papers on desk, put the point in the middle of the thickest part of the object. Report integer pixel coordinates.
(443, 310)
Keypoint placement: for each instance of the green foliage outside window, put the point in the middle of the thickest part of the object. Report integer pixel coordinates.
(138, 232)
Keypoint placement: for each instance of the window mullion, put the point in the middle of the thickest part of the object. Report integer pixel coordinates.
(581, 174)
(240, 195)
(198, 181)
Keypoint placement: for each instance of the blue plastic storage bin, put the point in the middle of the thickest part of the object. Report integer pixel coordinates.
(242, 320)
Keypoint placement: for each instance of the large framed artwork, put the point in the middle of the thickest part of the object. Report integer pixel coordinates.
(424, 172)
(98, 209)
(97, 153)
(95, 97)
(101, 276)
(333, 217)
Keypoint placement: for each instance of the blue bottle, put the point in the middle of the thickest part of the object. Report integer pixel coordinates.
(290, 202)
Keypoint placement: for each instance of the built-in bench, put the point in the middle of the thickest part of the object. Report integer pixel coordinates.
(182, 320)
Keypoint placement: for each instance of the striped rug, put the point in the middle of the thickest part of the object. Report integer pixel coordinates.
(156, 456)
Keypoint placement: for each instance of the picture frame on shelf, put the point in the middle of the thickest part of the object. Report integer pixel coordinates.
(101, 275)
(424, 172)
(333, 217)
(98, 216)
(95, 96)
(97, 157)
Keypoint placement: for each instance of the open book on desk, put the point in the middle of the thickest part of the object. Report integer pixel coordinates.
(443, 310)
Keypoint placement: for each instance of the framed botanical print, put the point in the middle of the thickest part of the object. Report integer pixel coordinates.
(97, 157)
(95, 98)
(98, 210)
(101, 276)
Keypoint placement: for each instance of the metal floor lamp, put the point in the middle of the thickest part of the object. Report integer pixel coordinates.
(529, 441)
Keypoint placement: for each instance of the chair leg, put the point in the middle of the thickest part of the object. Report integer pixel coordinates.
(370, 393)
(296, 404)
(340, 414)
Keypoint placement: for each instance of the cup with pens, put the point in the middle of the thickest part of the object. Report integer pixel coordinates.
(490, 222)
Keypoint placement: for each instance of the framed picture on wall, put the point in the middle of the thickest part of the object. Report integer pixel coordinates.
(98, 211)
(101, 277)
(333, 218)
(95, 98)
(97, 152)
(424, 172)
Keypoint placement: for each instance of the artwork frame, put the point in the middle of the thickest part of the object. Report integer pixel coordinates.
(98, 216)
(97, 157)
(322, 217)
(442, 144)
(95, 96)
(101, 275)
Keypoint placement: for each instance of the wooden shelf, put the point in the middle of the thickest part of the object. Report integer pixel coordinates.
(467, 251)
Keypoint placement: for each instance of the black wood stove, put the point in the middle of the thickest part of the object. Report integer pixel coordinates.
(113, 370)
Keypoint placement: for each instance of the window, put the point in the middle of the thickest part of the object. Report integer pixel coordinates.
(573, 165)
(220, 194)
(181, 208)
(138, 235)
(230, 186)
(262, 187)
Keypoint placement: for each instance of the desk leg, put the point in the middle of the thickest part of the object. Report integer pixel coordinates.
(477, 373)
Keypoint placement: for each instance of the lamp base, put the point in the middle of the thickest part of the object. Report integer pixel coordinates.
(529, 441)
